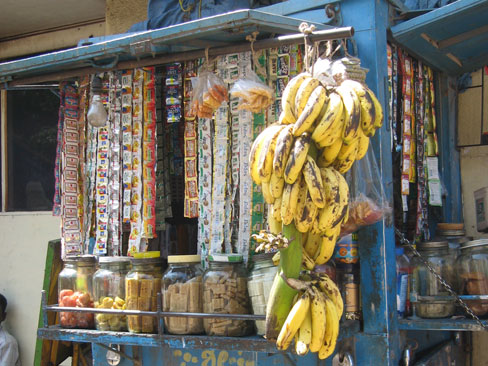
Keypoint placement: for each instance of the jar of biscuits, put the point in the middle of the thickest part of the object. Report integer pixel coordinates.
(75, 290)
(225, 292)
(259, 285)
(142, 285)
(109, 292)
(182, 293)
(472, 267)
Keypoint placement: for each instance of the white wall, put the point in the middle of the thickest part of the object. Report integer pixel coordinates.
(23, 248)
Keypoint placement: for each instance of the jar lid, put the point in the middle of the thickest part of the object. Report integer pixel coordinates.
(474, 243)
(194, 258)
(451, 232)
(141, 261)
(150, 254)
(114, 259)
(82, 259)
(432, 245)
(225, 258)
(450, 226)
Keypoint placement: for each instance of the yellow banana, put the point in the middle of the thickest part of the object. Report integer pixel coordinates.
(333, 112)
(378, 121)
(312, 244)
(363, 144)
(284, 144)
(347, 156)
(331, 330)
(293, 321)
(335, 132)
(288, 97)
(307, 262)
(276, 259)
(327, 245)
(352, 111)
(253, 157)
(276, 209)
(368, 113)
(301, 200)
(330, 183)
(265, 161)
(306, 215)
(329, 288)
(319, 319)
(304, 335)
(265, 188)
(303, 93)
(289, 201)
(329, 154)
(311, 111)
(343, 189)
(274, 225)
(313, 179)
(297, 158)
(276, 185)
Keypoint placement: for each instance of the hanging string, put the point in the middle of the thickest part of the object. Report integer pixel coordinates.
(315, 54)
(261, 70)
(306, 30)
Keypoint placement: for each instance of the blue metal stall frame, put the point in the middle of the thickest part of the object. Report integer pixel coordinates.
(380, 338)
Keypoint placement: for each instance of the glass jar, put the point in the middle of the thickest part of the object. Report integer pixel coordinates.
(142, 285)
(182, 293)
(75, 290)
(472, 267)
(109, 292)
(427, 292)
(259, 285)
(455, 237)
(225, 292)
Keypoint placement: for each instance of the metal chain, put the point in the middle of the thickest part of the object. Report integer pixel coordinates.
(448, 287)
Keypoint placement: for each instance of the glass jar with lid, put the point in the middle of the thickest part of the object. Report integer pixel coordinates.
(225, 292)
(182, 293)
(472, 267)
(142, 285)
(454, 234)
(259, 285)
(430, 298)
(109, 292)
(75, 290)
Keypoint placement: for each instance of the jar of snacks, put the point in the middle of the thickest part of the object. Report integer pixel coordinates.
(472, 267)
(75, 290)
(109, 292)
(225, 292)
(142, 285)
(431, 300)
(259, 285)
(182, 293)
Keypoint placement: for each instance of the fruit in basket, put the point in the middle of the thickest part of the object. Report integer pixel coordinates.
(322, 131)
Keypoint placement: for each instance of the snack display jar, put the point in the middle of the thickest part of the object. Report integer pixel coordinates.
(182, 293)
(75, 290)
(109, 292)
(454, 234)
(225, 292)
(472, 267)
(259, 285)
(431, 300)
(142, 285)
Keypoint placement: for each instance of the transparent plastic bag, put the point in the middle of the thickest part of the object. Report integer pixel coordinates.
(253, 94)
(367, 199)
(209, 92)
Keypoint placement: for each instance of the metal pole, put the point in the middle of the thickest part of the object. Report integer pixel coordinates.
(318, 36)
(43, 309)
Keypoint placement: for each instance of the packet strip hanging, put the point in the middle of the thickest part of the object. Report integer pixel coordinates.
(82, 177)
(126, 119)
(136, 186)
(204, 184)
(407, 123)
(71, 236)
(149, 155)
(57, 209)
(160, 209)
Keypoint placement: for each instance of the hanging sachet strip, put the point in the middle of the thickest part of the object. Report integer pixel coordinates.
(71, 235)
(126, 120)
(59, 150)
(136, 186)
(83, 91)
(204, 184)
(160, 188)
(245, 181)
(407, 125)
(149, 155)
(114, 228)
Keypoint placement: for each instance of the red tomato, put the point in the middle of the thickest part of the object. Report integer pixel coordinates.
(70, 301)
(84, 299)
(64, 293)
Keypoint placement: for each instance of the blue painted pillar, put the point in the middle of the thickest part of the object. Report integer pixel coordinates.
(378, 344)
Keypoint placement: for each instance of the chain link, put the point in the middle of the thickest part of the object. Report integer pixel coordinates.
(448, 287)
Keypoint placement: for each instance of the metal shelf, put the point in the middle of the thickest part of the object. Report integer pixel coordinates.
(449, 324)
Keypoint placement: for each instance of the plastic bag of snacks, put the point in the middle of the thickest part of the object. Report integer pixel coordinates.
(209, 92)
(367, 201)
(253, 94)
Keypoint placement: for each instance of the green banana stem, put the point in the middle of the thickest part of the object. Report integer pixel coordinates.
(281, 296)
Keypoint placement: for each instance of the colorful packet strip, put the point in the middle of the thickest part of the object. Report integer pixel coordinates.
(126, 120)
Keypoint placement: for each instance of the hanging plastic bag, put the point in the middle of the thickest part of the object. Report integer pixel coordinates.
(253, 94)
(367, 199)
(209, 92)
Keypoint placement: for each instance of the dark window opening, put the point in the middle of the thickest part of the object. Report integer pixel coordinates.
(32, 117)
